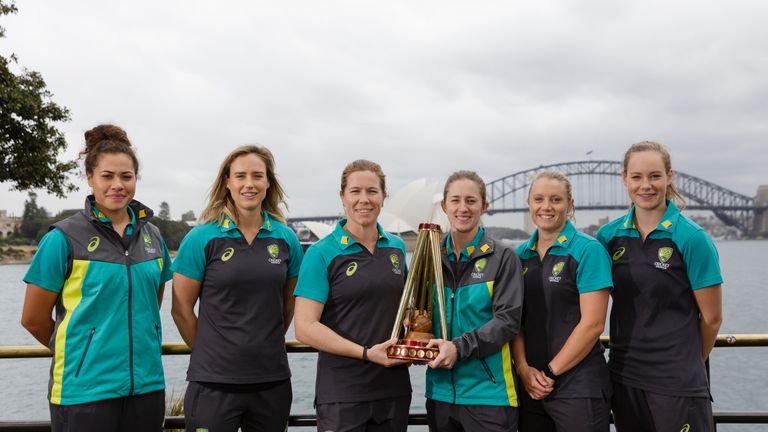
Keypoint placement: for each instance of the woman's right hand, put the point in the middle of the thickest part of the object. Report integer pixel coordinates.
(378, 354)
(538, 385)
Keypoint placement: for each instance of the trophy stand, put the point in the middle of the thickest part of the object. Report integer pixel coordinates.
(415, 313)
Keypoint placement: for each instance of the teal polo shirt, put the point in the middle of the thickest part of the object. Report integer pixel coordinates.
(361, 292)
(240, 331)
(574, 265)
(655, 337)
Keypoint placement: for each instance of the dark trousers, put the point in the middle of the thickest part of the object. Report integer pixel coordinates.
(144, 412)
(636, 410)
(565, 415)
(447, 417)
(216, 410)
(384, 415)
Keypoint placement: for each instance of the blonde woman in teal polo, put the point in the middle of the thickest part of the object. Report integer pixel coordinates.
(103, 270)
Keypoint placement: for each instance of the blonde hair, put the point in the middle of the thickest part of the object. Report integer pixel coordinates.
(465, 175)
(364, 165)
(671, 192)
(220, 204)
(558, 176)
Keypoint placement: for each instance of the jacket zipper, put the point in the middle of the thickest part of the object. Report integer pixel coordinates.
(130, 319)
(487, 370)
(82, 359)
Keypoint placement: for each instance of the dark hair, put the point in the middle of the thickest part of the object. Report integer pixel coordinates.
(465, 175)
(671, 193)
(106, 138)
(364, 165)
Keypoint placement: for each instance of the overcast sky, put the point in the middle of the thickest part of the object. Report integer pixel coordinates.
(422, 87)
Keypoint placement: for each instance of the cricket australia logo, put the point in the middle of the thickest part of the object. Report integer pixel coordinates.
(352, 269)
(273, 251)
(665, 253)
(148, 244)
(93, 243)
(556, 270)
(228, 252)
(618, 253)
(479, 267)
(395, 260)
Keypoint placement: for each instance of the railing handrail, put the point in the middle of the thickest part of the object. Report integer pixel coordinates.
(736, 340)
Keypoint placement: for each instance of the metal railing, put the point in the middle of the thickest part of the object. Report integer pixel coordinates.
(309, 420)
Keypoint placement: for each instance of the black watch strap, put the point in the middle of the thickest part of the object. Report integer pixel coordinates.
(551, 375)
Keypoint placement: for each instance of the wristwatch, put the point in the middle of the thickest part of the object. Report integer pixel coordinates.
(551, 375)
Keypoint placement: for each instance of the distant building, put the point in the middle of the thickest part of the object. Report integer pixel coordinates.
(8, 224)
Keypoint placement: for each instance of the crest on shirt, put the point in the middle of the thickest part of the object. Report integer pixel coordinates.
(395, 260)
(273, 251)
(148, 244)
(479, 267)
(351, 269)
(525, 270)
(618, 253)
(665, 253)
(228, 252)
(556, 270)
(93, 243)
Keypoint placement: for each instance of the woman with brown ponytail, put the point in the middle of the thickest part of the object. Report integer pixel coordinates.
(104, 270)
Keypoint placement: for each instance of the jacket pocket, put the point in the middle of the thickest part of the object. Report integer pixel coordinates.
(85, 352)
(487, 370)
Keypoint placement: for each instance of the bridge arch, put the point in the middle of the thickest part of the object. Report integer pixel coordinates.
(598, 186)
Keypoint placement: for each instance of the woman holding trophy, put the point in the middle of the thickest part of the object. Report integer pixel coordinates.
(557, 353)
(470, 384)
(348, 291)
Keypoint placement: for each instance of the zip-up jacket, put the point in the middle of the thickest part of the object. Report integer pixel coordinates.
(107, 337)
(484, 299)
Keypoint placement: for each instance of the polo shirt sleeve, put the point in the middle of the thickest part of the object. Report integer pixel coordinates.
(167, 273)
(702, 261)
(313, 277)
(190, 259)
(50, 264)
(295, 254)
(594, 270)
(602, 236)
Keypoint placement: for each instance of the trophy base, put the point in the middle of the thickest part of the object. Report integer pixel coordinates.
(413, 350)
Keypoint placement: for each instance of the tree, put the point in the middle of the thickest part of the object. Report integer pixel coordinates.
(35, 220)
(188, 216)
(29, 139)
(165, 211)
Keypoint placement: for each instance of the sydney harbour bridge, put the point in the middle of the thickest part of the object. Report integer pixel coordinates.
(597, 185)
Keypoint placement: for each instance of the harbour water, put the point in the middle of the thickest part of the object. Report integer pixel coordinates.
(739, 375)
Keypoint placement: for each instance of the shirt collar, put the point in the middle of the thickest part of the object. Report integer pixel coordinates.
(228, 224)
(668, 221)
(563, 239)
(471, 248)
(345, 240)
(101, 217)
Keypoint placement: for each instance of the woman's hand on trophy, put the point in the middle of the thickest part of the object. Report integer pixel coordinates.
(447, 356)
(378, 354)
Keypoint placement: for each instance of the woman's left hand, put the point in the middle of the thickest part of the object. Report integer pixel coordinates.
(378, 354)
(448, 354)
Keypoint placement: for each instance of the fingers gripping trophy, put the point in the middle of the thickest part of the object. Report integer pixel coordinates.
(415, 313)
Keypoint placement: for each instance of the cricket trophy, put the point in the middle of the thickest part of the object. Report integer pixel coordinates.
(415, 313)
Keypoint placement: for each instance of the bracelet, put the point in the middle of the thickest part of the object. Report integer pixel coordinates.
(365, 353)
(550, 374)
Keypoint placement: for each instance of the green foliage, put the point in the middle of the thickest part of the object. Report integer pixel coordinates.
(29, 139)
(165, 211)
(173, 231)
(188, 216)
(35, 220)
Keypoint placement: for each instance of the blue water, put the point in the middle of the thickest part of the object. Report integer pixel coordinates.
(739, 375)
